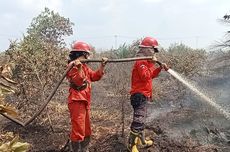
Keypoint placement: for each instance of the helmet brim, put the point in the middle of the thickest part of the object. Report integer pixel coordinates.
(143, 46)
(156, 48)
(73, 50)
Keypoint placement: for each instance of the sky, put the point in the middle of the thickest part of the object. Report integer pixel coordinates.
(107, 24)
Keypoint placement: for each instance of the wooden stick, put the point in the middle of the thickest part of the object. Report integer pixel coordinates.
(118, 60)
(121, 60)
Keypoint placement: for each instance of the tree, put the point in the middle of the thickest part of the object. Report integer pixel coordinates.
(50, 27)
(39, 58)
(221, 55)
(224, 44)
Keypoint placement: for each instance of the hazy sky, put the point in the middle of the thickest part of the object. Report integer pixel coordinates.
(109, 23)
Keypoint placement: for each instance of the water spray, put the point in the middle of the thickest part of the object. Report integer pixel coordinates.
(198, 92)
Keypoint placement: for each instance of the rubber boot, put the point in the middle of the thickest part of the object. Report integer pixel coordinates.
(85, 144)
(75, 146)
(143, 142)
(133, 141)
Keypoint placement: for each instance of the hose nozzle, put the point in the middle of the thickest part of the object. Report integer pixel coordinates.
(165, 66)
(158, 62)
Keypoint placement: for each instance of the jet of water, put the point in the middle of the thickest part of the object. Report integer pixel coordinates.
(198, 92)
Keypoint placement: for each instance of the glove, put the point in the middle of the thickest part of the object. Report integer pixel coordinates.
(164, 65)
(154, 59)
(104, 61)
(77, 63)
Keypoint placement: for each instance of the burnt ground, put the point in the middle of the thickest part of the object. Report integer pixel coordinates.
(195, 127)
(167, 136)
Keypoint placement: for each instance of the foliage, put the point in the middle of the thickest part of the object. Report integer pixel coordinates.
(8, 142)
(226, 17)
(13, 144)
(6, 88)
(219, 62)
(186, 60)
(125, 51)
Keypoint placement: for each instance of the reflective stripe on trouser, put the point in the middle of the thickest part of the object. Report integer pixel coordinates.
(80, 120)
(138, 101)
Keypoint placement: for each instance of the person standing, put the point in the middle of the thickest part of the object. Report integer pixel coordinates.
(141, 91)
(80, 78)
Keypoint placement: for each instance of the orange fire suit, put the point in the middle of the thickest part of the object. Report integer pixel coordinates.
(79, 101)
(143, 73)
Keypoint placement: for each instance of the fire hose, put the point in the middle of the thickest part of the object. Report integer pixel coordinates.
(23, 124)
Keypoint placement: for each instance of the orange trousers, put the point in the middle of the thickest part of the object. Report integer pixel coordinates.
(80, 119)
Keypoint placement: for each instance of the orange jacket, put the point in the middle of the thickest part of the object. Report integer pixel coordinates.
(142, 75)
(75, 77)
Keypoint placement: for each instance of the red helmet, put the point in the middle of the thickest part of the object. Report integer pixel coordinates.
(149, 42)
(81, 47)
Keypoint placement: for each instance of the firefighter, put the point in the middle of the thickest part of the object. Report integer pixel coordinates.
(79, 99)
(141, 91)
